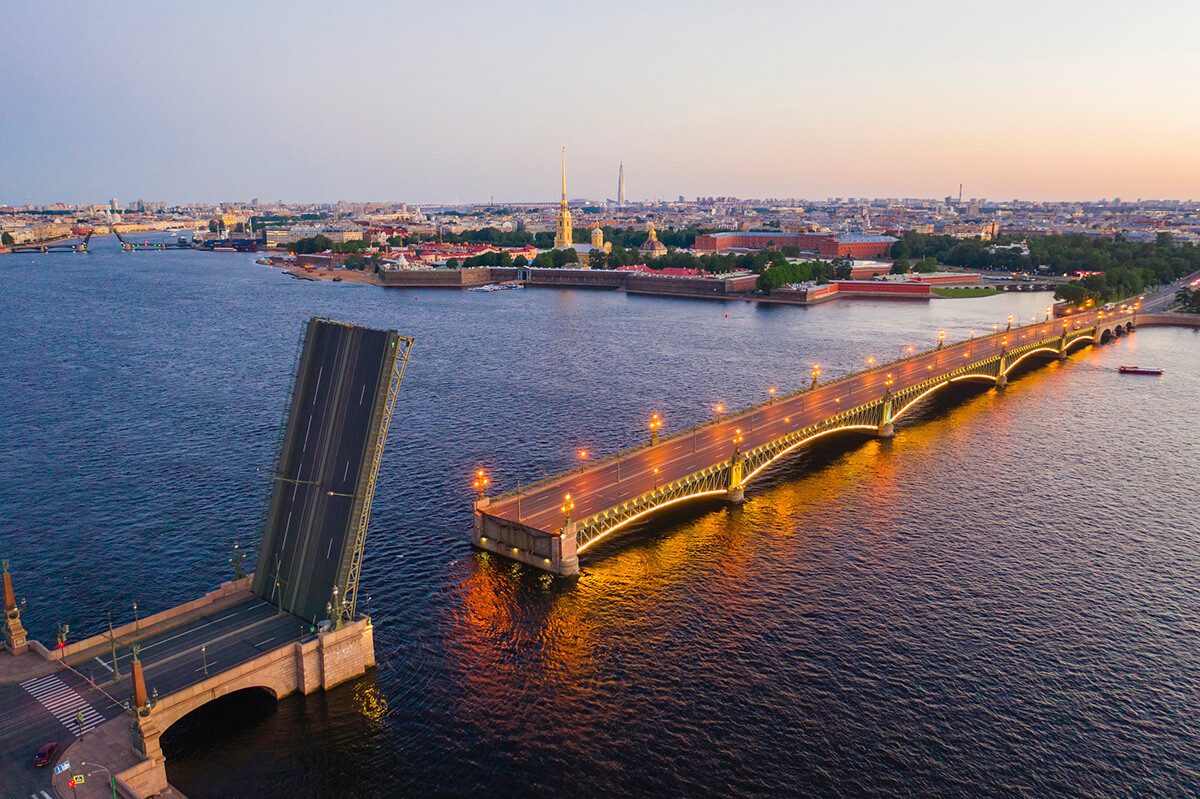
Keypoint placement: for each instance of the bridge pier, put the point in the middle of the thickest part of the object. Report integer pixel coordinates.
(886, 429)
(1001, 368)
(554, 552)
(735, 493)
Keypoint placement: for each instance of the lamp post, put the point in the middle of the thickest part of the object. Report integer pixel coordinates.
(113, 640)
(236, 560)
(112, 782)
(771, 395)
(816, 373)
(655, 478)
(941, 338)
(655, 424)
(566, 509)
(481, 482)
(1010, 321)
(204, 653)
(137, 629)
(583, 453)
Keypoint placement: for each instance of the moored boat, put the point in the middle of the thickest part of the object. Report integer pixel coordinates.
(1138, 370)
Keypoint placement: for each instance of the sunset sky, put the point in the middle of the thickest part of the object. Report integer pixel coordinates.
(466, 101)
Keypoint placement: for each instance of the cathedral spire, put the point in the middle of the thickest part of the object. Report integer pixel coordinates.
(563, 233)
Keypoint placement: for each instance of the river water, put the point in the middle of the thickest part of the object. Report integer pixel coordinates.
(1001, 601)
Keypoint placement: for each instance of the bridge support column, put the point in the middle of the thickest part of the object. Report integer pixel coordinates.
(1062, 346)
(885, 429)
(1001, 377)
(735, 493)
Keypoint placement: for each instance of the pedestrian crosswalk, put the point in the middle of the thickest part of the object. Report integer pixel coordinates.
(65, 703)
(40, 795)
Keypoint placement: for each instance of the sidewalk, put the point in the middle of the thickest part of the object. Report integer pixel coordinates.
(18, 668)
(107, 746)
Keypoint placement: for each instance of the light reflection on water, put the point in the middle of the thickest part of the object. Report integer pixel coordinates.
(1001, 600)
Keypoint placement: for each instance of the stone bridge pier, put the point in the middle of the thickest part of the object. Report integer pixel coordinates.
(320, 662)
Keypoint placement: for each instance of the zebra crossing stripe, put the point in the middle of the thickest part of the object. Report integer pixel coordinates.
(65, 703)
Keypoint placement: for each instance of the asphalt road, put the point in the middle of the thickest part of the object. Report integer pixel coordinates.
(29, 721)
(179, 657)
(311, 530)
(605, 485)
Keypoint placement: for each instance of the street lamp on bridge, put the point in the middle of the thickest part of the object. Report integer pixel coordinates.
(481, 482)
(1010, 321)
(941, 338)
(566, 509)
(583, 453)
(816, 372)
(771, 394)
(655, 424)
(738, 438)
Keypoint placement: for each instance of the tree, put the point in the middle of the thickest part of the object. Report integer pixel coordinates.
(900, 266)
(596, 259)
(452, 263)
(214, 226)
(6, 239)
(926, 266)
(1184, 296)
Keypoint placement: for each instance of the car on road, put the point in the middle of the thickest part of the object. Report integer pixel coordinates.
(45, 754)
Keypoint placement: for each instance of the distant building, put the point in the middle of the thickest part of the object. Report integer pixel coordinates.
(652, 247)
(824, 245)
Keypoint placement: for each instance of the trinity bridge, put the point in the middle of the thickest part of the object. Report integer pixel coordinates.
(548, 523)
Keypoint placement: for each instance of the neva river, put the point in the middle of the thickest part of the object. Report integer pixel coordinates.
(1002, 601)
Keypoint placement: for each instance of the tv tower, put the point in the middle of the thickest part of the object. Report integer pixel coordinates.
(621, 184)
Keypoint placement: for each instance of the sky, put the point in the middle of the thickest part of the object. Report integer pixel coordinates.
(439, 102)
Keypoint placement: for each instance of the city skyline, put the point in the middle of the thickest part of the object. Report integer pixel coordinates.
(306, 103)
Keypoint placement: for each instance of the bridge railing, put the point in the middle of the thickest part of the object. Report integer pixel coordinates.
(696, 428)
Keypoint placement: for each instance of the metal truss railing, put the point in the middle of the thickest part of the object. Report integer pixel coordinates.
(403, 350)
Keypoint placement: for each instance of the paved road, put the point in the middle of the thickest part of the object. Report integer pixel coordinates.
(1160, 299)
(40, 710)
(173, 659)
(608, 484)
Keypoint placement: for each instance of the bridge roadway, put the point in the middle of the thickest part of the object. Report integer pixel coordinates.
(517, 519)
(172, 659)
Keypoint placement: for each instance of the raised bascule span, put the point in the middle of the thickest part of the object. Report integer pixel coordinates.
(547, 524)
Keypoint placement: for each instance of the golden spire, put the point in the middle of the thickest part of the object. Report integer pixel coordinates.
(563, 232)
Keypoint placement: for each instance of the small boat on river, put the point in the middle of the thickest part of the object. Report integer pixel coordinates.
(1139, 370)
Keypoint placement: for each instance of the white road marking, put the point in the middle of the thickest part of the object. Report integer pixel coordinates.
(102, 663)
(64, 703)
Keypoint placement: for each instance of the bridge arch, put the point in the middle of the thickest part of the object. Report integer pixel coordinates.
(868, 429)
(1052, 351)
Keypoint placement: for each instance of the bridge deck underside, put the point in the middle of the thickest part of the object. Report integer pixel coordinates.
(172, 659)
(698, 462)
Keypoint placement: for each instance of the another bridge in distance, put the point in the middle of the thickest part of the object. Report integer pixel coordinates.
(547, 524)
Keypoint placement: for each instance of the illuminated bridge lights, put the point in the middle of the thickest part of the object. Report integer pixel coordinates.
(870, 416)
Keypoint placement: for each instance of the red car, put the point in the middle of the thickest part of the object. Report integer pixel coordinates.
(46, 754)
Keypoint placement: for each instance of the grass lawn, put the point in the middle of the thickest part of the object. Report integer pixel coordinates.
(942, 291)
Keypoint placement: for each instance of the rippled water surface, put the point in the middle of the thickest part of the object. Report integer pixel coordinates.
(1001, 601)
